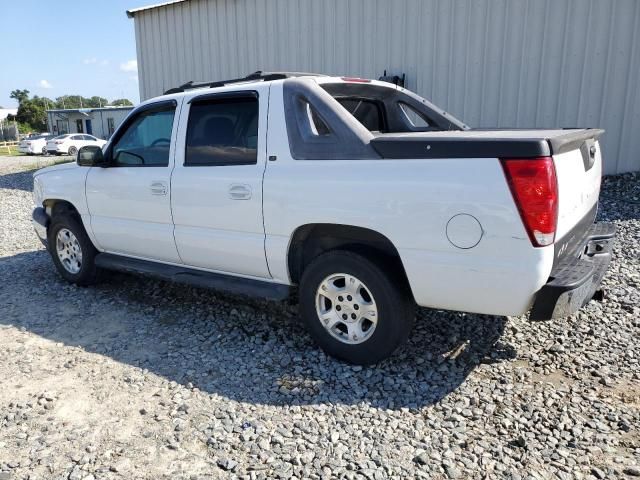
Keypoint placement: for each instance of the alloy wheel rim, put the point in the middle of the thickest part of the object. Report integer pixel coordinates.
(346, 308)
(69, 251)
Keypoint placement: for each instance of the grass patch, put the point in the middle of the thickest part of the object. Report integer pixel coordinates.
(47, 162)
(10, 151)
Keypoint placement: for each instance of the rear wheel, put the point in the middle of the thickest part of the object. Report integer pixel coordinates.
(44, 150)
(354, 310)
(71, 250)
(72, 151)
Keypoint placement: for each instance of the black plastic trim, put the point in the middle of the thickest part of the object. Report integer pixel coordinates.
(40, 216)
(191, 276)
(574, 281)
(218, 164)
(259, 75)
(407, 147)
(225, 95)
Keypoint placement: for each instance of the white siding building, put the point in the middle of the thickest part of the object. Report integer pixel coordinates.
(492, 63)
(99, 122)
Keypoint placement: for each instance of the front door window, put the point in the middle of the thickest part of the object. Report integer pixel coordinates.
(146, 140)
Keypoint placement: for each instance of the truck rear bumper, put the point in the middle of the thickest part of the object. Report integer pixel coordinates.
(574, 280)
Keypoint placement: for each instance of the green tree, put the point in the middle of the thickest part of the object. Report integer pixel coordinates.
(78, 101)
(124, 102)
(70, 101)
(95, 102)
(19, 95)
(31, 111)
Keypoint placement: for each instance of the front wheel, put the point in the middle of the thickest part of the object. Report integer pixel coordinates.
(353, 309)
(71, 250)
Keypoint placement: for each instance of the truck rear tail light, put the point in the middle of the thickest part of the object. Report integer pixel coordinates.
(534, 188)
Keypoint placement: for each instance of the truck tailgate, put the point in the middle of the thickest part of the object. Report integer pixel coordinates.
(578, 172)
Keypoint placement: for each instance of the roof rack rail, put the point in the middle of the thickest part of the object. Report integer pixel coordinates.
(259, 75)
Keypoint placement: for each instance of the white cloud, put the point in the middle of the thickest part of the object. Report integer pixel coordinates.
(129, 66)
(95, 61)
(134, 78)
(45, 84)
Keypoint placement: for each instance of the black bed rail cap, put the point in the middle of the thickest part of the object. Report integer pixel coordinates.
(258, 75)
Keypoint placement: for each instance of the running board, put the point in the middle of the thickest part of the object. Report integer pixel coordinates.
(191, 276)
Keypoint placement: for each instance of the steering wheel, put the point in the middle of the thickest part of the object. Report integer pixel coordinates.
(159, 140)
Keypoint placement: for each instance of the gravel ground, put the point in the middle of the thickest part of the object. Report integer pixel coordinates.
(137, 378)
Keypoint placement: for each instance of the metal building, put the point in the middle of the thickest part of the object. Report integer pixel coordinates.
(492, 63)
(99, 122)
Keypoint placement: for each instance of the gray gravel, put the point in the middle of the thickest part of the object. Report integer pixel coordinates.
(137, 378)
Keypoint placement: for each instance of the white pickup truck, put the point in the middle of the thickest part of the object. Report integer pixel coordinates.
(364, 195)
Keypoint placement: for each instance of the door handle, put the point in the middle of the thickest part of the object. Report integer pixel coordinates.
(159, 188)
(239, 192)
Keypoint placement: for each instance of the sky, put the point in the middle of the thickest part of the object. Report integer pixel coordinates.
(69, 47)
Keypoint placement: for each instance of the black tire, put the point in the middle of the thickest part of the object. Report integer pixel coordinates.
(87, 275)
(72, 151)
(44, 150)
(395, 308)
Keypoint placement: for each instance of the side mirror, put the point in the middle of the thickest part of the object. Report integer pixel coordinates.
(91, 156)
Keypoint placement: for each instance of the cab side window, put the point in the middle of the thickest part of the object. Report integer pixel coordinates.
(222, 131)
(146, 140)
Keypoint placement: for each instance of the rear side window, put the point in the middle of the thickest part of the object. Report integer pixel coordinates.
(222, 131)
(367, 112)
(317, 126)
(413, 117)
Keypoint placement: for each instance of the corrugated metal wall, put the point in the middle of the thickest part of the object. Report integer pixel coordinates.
(492, 63)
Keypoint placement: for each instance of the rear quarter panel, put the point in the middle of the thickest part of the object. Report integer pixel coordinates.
(410, 202)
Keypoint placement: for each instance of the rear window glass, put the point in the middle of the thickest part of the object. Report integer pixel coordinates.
(367, 112)
(222, 132)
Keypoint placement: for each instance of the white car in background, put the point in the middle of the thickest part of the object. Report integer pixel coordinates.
(70, 143)
(35, 144)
